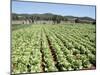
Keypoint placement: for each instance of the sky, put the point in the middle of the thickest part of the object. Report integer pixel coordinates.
(60, 9)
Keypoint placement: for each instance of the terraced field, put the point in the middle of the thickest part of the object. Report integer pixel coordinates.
(47, 48)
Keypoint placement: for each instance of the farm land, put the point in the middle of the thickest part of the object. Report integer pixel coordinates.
(50, 48)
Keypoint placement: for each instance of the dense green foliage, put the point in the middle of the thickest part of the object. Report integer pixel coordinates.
(46, 48)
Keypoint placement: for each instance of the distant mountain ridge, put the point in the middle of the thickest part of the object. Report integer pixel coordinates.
(51, 15)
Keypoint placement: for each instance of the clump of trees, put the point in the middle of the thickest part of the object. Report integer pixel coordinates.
(85, 20)
(57, 19)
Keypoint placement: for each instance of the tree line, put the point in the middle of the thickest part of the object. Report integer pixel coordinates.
(56, 19)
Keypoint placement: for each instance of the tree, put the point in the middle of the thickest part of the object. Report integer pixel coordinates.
(77, 20)
(54, 19)
(57, 19)
(15, 17)
(94, 22)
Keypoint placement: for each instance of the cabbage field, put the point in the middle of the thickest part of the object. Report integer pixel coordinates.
(50, 48)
